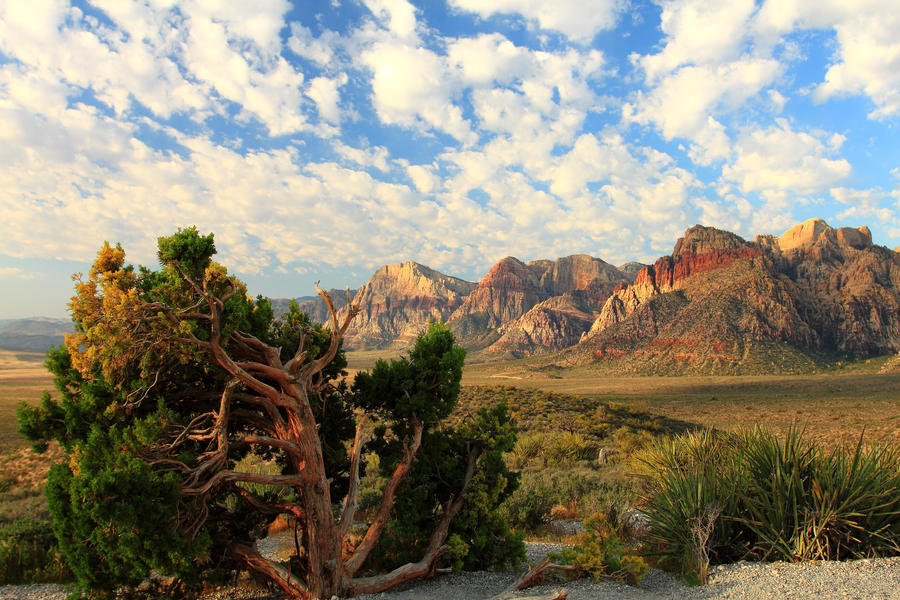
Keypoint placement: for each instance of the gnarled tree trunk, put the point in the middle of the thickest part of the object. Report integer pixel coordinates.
(272, 398)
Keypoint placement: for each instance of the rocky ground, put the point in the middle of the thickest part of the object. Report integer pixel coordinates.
(872, 579)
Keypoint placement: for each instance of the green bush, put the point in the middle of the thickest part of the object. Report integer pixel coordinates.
(720, 498)
(29, 553)
(588, 489)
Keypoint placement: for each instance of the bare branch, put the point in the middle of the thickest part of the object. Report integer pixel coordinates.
(377, 583)
(290, 584)
(223, 477)
(337, 333)
(535, 577)
(268, 352)
(271, 508)
(289, 447)
(368, 542)
(349, 508)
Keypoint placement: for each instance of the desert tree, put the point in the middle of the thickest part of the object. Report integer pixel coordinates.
(174, 377)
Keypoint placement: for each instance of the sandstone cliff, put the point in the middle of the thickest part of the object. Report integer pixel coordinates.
(550, 325)
(512, 288)
(722, 304)
(399, 301)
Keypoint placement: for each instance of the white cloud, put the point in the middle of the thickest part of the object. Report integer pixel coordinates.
(324, 91)
(423, 177)
(683, 102)
(866, 206)
(699, 32)
(398, 15)
(869, 62)
(778, 162)
(367, 157)
(318, 50)
(411, 87)
(580, 20)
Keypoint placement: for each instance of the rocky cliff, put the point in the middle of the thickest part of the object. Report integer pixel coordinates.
(399, 301)
(504, 299)
(721, 304)
(550, 325)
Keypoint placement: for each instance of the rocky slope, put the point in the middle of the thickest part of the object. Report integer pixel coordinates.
(721, 304)
(508, 309)
(399, 301)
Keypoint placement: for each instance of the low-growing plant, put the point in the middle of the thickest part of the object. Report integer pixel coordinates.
(719, 498)
(581, 490)
(601, 553)
(29, 553)
(805, 504)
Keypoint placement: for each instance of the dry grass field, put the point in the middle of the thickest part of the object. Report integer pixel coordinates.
(22, 377)
(835, 407)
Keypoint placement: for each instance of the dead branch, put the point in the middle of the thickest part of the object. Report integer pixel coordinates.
(534, 577)
(262, 440)
(289, 583)
(349, 508)
(368, 542)
(270, 508)
(223, 477)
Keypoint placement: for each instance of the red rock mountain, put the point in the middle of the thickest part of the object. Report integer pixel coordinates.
(508, 311)
(721, 304)
(398, 302)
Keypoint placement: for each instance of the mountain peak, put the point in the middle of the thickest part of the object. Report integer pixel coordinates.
(815, 230)
(804, 234)
(701, 239)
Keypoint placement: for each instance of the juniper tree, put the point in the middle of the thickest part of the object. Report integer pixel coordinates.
(174, 376)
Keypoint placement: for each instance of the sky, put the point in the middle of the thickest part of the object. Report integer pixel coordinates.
(320, 140)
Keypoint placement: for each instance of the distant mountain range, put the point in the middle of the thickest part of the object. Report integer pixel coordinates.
(36, 334)
(716, 304)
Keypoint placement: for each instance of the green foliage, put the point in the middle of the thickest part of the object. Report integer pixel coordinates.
(480, 537)
(142, 382)
(188, 249)
(584, 487)
(762, 498)
(805, 504)
(423, 385)
(116, 518)
(29, 553)
(601, 553)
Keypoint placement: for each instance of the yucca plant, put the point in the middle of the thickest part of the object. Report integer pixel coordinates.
(804, 504)
(692, 479)
(779, 500)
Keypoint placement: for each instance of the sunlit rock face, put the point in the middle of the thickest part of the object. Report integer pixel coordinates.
(399, 301)
(779, 304)
(502, 303)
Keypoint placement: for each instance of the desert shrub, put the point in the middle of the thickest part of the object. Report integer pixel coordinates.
(717, 498)
(528, 447)
(29, 553)
(601, 552)
(804, 503)
(692, 476)
(566, 448)
(586, 488)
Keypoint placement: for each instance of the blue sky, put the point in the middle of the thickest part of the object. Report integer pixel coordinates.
(320, 140)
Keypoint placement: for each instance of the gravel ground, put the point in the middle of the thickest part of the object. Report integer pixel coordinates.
(873, 579)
